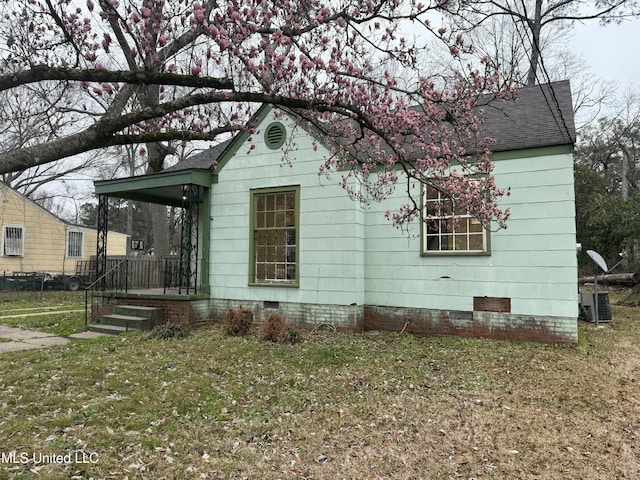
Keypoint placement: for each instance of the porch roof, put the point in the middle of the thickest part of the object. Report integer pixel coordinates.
(164, 188)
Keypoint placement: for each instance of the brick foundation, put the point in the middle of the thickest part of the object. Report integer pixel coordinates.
(503, 326)
(198, 309)
(305, 315)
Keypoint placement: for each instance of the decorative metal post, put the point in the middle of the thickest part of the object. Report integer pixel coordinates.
(101, 250)
(189, 239)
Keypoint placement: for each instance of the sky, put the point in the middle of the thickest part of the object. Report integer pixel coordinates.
(612, 51)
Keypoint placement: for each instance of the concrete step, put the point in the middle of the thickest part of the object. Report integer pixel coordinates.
(108, 329)
(130, 321)
(154, 314)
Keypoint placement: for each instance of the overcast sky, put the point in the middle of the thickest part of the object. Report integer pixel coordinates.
(612, 51)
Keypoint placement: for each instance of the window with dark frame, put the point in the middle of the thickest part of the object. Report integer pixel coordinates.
(447, 228)
(13, 241)
(275, 236)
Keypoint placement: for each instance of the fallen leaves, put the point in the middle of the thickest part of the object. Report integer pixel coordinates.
(334, 406)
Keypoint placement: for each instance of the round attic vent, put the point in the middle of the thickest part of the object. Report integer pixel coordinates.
(275, 135)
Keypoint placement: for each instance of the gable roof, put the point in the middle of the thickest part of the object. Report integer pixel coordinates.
(37, 206)
(539, 116)
(202, 159)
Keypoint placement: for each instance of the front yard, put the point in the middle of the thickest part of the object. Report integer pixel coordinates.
(58, 312)
(357, 406)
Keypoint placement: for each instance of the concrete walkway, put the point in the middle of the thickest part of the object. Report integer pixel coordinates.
(22, 339)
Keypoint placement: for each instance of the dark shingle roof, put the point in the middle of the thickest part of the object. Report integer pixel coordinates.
(539, 116)
(203, 159)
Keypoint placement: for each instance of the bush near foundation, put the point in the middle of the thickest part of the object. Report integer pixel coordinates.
(273, 328)
(238, 321)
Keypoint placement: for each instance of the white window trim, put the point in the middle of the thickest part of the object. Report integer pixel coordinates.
(460, 217)
(4, 238)
(69, 232)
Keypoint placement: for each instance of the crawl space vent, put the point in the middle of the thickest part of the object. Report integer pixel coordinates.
(275, 135)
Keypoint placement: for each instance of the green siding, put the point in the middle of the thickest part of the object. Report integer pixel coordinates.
(348, 254)
(330, 244)
(533, 261)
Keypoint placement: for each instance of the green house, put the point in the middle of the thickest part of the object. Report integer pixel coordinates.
(275, 236)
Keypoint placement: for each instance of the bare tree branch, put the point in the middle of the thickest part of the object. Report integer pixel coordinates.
(41, 73)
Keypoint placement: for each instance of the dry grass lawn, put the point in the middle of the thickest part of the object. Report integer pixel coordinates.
(353, 406)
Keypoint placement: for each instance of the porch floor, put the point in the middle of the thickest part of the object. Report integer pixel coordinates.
(159, 293)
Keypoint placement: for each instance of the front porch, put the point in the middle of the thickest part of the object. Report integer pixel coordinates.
(144, 284)
(179, 284)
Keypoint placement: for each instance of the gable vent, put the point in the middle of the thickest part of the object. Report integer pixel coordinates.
(275, 135)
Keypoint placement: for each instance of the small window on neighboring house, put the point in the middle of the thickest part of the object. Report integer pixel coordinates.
(448, 229)
(13, 241)
(274, 224)
(74, 244)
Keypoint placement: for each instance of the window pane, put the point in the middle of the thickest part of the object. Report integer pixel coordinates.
(291, 201)
(260, 271)
(281, 271)
(74, 244)
(460, 242)
(462, 225)
(271, 271)
(446, 242)
(475, 225)
(476, 242)
(433, 242)
(447, 208)
(447, 225)
(13, 241)
(270, 202)
(269, 219)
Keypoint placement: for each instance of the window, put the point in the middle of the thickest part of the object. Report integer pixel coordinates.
(74, 244)
(13, 241)
(274, 224)
(447, 229)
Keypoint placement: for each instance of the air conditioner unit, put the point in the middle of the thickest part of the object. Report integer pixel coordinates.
(588, 304)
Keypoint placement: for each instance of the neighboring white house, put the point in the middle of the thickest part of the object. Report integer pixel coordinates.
(279, 237)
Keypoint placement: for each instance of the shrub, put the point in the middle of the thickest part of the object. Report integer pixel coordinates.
(291, 336)
(169, 330)
(238, 321)
(273, 328)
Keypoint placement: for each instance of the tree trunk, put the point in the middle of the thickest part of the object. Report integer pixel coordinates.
(156, 154)
(613, 278)
(160, 228)
(535, 25)
(626, 173)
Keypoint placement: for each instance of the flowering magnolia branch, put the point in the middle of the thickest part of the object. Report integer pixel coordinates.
(152, 71)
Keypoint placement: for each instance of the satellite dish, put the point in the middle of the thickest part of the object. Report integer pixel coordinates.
(596, 257)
